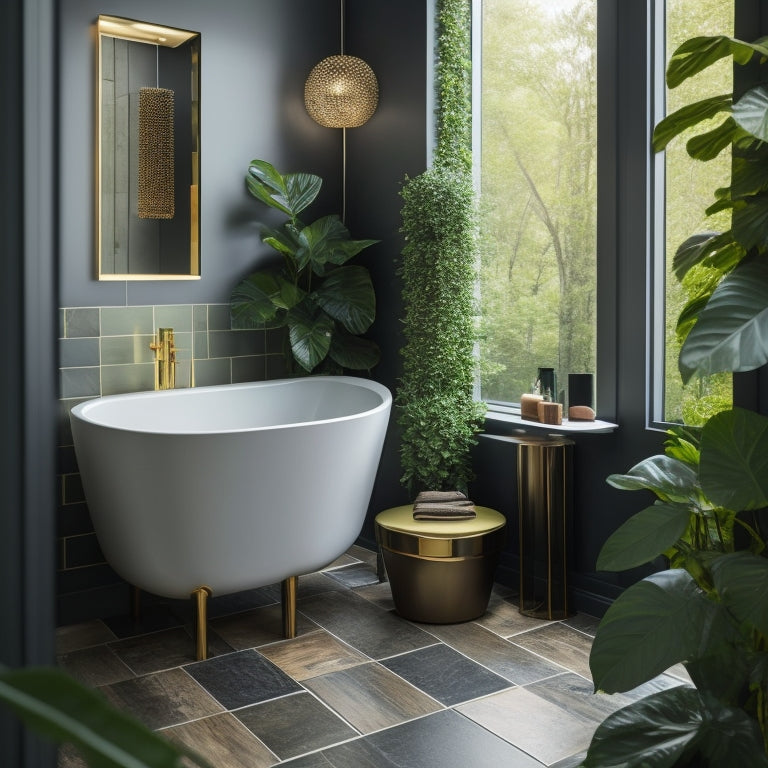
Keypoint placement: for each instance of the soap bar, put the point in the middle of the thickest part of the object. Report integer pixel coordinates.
(581, 413)
(528, 407)
(550, 413)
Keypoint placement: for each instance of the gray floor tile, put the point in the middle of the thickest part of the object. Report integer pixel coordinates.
(442, 740)
(362, 625)
(162, 698)
(294, 725)
(370, 697)
(95, 666)
(242, 678)
(445, 674)
(532, 724)
(501, 656)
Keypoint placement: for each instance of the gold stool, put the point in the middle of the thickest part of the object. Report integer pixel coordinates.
(440, 571)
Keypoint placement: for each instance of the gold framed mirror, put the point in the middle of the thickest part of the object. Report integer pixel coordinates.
(148, 151)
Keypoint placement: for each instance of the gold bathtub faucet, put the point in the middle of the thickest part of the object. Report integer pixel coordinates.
(165, 359)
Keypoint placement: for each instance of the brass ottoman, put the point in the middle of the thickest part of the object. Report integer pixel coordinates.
(440, 571)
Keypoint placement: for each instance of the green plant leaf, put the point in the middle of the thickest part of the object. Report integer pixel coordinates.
(284, 239)
(327, 241)
(644, 536)
(353, 352)
(347, 295)
(310, 335)
(731, 332)
(709, 145)
(290, 194)
(686, 117)
(750, 112)
(669, 478)
(750, 221)
(738, 578)
(734, 459)
(261, 299)
(696, 248)
(63, 710)
(698, 53)
(651, 626)
(670, 728)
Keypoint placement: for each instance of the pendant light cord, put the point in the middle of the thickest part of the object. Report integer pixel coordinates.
(343, 135)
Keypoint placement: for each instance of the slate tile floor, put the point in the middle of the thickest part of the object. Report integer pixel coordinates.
(358, 687)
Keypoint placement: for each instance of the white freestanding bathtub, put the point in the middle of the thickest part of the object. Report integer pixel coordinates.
(230, 487)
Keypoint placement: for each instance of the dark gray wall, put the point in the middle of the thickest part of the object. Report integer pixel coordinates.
(27, 390)
(255, 56)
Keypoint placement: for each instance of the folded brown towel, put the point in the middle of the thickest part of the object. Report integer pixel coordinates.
(464, 510)
(440, 496)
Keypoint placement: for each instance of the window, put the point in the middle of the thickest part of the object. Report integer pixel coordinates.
(538, 192)
(689, 187)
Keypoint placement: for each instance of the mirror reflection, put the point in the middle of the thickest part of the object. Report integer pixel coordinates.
(148, 180)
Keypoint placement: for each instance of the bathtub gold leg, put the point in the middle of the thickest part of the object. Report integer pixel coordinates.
(200, 596)
(289, 588)
(135, 603)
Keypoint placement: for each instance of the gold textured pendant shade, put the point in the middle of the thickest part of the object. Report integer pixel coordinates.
(341, 92)
(156, 190)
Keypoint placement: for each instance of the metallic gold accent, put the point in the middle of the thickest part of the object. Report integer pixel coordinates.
(543, 483)
(440, 572)
(341, 92)
(115, 262)
(156, 187)
(289, 589)
(165, 359)
(200, 596)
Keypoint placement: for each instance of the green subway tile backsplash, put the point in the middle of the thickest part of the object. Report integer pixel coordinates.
(120, 350)
(127, 321)
(79, 353)
(81, 321)
(178, 317)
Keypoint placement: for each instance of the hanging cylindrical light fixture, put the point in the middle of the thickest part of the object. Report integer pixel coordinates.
(156, 189)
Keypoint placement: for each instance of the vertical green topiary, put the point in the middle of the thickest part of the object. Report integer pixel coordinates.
(435, 403)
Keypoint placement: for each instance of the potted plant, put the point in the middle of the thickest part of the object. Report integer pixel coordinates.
(435, 403)
(323, 303)
(707, 610)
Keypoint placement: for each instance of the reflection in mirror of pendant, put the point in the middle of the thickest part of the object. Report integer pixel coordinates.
(148, 160)
(156, 161)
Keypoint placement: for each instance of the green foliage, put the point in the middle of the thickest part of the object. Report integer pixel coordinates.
(323, 303)
(708, 612)
(453, 80)
(64, 711)
(736, 304)
(435, 399)
(436, 409)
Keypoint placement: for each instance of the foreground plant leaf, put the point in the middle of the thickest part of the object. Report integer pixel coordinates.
(731, 332)
(669, 478)
(61, 709)
(673, 727)
(734, 459)
(652, 625)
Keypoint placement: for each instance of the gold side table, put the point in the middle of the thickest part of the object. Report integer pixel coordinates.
(440, 571)
(544, 500)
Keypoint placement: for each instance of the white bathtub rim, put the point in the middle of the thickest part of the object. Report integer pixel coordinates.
(87, 410)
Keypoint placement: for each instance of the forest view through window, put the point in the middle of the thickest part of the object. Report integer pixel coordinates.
(538, 193)
(690, 187)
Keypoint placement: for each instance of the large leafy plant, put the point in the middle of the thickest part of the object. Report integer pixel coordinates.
(323, 303)
(708, 610)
